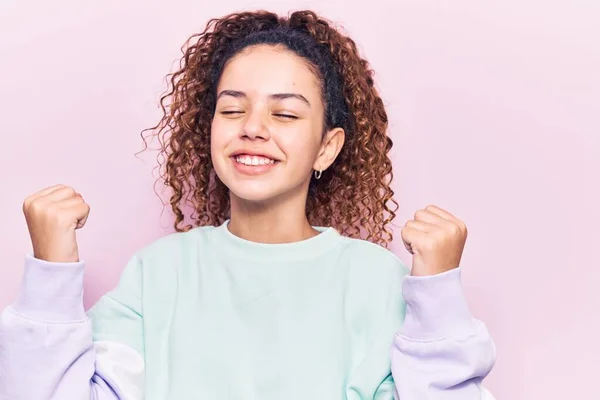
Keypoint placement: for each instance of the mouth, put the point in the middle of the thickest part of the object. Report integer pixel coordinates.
(252, 160)
(248, 164)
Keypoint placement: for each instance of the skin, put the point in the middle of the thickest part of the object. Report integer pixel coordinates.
(436, 239)
(269, 207)
(269, 103)
(53, 215)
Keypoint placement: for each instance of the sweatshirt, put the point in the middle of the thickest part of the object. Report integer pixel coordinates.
(205, 314)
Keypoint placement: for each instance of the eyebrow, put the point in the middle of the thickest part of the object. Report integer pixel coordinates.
(277, 96)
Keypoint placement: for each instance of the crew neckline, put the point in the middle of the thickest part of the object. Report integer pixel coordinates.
(276, 252)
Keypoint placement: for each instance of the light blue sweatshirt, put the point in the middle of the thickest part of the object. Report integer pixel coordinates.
(208, 315)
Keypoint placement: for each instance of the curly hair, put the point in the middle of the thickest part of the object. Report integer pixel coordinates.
(353, 195)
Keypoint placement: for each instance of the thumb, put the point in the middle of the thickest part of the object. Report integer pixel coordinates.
(411, 237)
(78, 211)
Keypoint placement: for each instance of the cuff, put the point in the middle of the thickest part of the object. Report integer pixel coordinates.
(436, 307)
(51, 291)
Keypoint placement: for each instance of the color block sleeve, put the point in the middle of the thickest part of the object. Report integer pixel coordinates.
(51, 349)
(426, 345)
(441, 351)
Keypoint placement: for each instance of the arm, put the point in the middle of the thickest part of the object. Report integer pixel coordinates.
(438, 350)
(46, 345)
(441, 352)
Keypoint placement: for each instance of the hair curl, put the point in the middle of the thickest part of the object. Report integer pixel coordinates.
(353, 195)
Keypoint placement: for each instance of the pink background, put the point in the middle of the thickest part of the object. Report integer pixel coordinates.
(495, 115)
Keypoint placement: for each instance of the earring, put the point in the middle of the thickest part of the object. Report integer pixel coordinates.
(318, 174)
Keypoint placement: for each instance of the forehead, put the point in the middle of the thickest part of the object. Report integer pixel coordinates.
(264, 70)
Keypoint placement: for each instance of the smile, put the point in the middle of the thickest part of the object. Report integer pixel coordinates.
(254, 160)
(253, 165)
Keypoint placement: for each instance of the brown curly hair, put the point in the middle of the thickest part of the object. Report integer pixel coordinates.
(353, 195)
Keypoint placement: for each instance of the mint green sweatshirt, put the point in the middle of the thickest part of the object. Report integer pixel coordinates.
(207, 315)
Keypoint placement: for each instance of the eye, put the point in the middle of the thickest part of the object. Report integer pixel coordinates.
(232, 114)
(286, 116)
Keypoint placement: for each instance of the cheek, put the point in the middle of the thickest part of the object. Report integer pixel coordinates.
(215, 131)
(217, 145)
(213, 139)
(218, 136)
(301, 147)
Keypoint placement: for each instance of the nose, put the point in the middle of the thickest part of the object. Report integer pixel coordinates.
(255, 126)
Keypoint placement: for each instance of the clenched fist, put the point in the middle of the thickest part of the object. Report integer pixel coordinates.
(53, 214)
(436, 240)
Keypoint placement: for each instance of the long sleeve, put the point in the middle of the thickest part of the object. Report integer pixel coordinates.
(48, 350)
(441, 351)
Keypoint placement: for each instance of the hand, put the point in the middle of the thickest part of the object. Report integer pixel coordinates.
(53, 214)
(436, 240)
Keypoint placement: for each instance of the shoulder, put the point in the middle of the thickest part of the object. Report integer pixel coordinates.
(156, 265)
(372, 273)
(172, 251)
(372, 258)
(174, 243)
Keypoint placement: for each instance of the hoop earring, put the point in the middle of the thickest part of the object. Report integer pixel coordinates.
(318, 174)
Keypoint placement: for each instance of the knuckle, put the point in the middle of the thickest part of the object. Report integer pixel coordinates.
(26, 204)
(35, 206)
(455, 230)
(405, 234)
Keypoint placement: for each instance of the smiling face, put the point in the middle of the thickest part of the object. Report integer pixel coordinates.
(267, 131)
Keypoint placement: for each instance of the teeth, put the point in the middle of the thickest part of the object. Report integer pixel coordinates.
(254, 160)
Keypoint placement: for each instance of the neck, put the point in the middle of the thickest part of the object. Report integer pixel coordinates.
(270, 222)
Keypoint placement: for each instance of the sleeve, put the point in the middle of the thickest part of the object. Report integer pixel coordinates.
(51, 349)
(441, 351)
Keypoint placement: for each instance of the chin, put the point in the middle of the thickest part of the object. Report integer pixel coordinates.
(255, 192)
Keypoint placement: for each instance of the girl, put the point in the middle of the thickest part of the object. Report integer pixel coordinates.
(273, 130)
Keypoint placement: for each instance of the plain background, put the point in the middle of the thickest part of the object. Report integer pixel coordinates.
(494, 110)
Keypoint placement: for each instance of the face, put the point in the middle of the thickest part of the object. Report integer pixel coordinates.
(267, 132)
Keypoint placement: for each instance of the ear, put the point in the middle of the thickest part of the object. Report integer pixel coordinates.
(331, 145)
